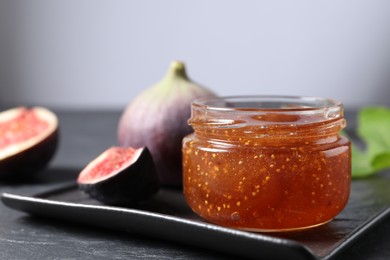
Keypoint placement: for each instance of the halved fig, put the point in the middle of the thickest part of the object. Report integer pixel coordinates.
(120, 176)
(28, 140)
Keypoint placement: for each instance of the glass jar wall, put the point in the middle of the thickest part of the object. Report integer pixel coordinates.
(267, 163)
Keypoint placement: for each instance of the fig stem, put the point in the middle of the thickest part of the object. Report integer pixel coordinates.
(176, 69)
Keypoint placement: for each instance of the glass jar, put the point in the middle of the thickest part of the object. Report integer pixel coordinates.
(267, 163)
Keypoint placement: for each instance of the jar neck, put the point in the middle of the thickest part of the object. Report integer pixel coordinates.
(257, 125)
(254, 134)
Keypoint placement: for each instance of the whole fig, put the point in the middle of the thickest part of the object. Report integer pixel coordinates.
(157, 118)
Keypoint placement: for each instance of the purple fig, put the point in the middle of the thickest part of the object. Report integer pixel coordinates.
(120, 176)
(157, 118)
(28, 140)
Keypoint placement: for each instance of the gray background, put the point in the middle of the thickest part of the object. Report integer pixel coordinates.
(93, 54)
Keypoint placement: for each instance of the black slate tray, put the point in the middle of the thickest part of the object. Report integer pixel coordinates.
(167, 216)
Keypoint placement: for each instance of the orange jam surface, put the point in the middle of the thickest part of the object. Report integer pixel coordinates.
(269, 179)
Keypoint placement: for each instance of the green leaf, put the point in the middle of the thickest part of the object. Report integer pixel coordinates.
(361, 163)
(381, 161)
(374, 131)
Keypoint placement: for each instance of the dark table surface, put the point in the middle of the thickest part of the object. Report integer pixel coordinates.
(84, 135)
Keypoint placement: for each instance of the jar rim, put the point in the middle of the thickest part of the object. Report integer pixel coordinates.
(268, 115)
(268, 103)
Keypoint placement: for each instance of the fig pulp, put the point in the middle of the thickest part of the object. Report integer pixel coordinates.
(157, 118)
(120, 176)
(28, 140)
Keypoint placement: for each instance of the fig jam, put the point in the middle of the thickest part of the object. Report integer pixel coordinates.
(267, 163)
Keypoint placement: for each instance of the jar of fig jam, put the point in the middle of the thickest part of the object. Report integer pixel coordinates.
(267, 163)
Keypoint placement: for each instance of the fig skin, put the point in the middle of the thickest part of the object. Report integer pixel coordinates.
(134, 183)
(30, 160)
(157, 118)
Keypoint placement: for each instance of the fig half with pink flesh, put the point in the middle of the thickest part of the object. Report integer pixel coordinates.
(28, 140)
(120, 176)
